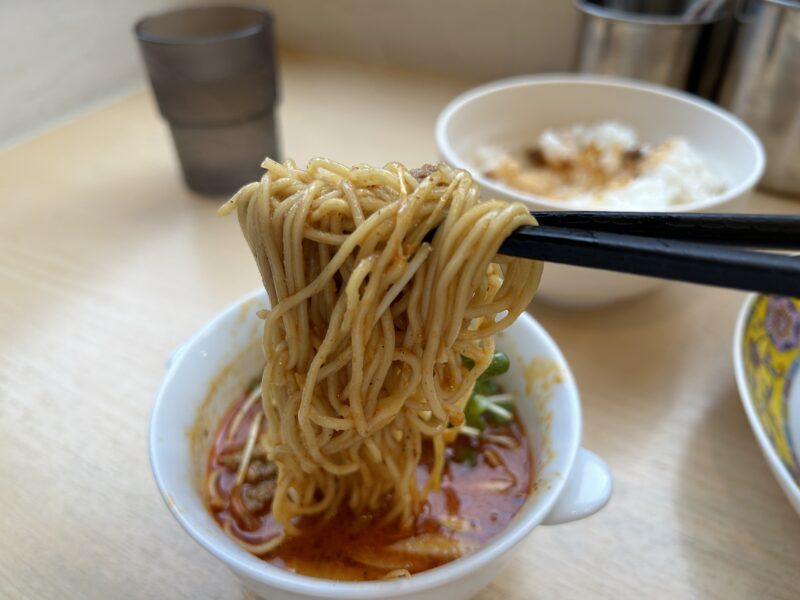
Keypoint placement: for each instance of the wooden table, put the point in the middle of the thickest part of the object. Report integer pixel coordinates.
(107, 262)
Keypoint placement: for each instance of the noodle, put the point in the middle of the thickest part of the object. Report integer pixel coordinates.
(252, 435)
(257, 549)
(369, 323)
(214, 499)
(397, 574)
(240, 414)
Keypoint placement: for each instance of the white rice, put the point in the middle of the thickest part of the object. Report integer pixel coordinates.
(671, 173)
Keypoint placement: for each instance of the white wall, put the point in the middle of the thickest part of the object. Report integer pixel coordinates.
(482, 39)
(61, 57)
(58, 57)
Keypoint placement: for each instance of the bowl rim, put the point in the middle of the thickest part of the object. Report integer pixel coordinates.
(779, 470)
(452, 157)
(288, 581)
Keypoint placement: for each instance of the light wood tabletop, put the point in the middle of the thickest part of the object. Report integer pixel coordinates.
(107, 263)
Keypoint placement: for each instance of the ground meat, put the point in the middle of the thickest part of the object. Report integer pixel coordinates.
(424, 171)
(634, 155)
(257, 497)
(259, 470)
(535, 156)
(230, 461)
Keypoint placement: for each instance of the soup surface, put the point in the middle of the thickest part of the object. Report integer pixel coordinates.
(486, 479)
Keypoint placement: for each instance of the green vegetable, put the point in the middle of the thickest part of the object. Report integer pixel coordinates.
(506, 404)
(469, 456)
(473, 411)
(499, 408)
(498, 366)
(498, 414)
(486, 387)
(486, 399)
(254, 384)
(505, 400)
(469, 431)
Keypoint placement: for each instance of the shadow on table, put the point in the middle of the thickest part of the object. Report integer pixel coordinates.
(739, 533)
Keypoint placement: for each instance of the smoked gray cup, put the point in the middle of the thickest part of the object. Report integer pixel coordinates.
(213, 75)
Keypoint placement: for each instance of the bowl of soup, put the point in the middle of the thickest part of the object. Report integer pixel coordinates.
(520, 472)
(588, 142)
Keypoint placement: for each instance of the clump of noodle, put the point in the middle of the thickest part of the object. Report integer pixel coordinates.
(369, 321)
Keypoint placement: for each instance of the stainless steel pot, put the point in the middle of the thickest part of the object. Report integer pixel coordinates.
(762, 85)
(650, 40)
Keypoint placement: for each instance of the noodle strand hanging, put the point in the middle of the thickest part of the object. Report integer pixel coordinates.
(370, 324)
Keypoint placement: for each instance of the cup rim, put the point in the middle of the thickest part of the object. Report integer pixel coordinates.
(613, 14)
(265, 20)
(784, 3)
(454, 158)
(288, 581)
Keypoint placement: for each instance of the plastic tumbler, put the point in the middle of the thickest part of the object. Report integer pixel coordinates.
(213, 75)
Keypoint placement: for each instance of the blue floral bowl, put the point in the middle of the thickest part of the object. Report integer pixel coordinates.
(766, 356)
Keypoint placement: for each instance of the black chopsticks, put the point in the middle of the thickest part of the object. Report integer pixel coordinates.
(684, 247)
(759, 231)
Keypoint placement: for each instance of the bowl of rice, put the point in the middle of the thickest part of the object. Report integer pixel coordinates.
(586, 142)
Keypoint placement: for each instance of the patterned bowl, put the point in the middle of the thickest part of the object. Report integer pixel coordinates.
(766, 357)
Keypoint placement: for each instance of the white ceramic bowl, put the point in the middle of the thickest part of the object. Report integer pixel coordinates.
(512, 112)
(207, 372)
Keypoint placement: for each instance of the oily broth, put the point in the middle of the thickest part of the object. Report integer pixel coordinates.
(484, 484)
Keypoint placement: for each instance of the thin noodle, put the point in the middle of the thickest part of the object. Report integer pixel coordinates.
(214, 498)
(257, 549)
(378, 282)
(248, 449)
(501, 440)
(254, 396)
(398, 574)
